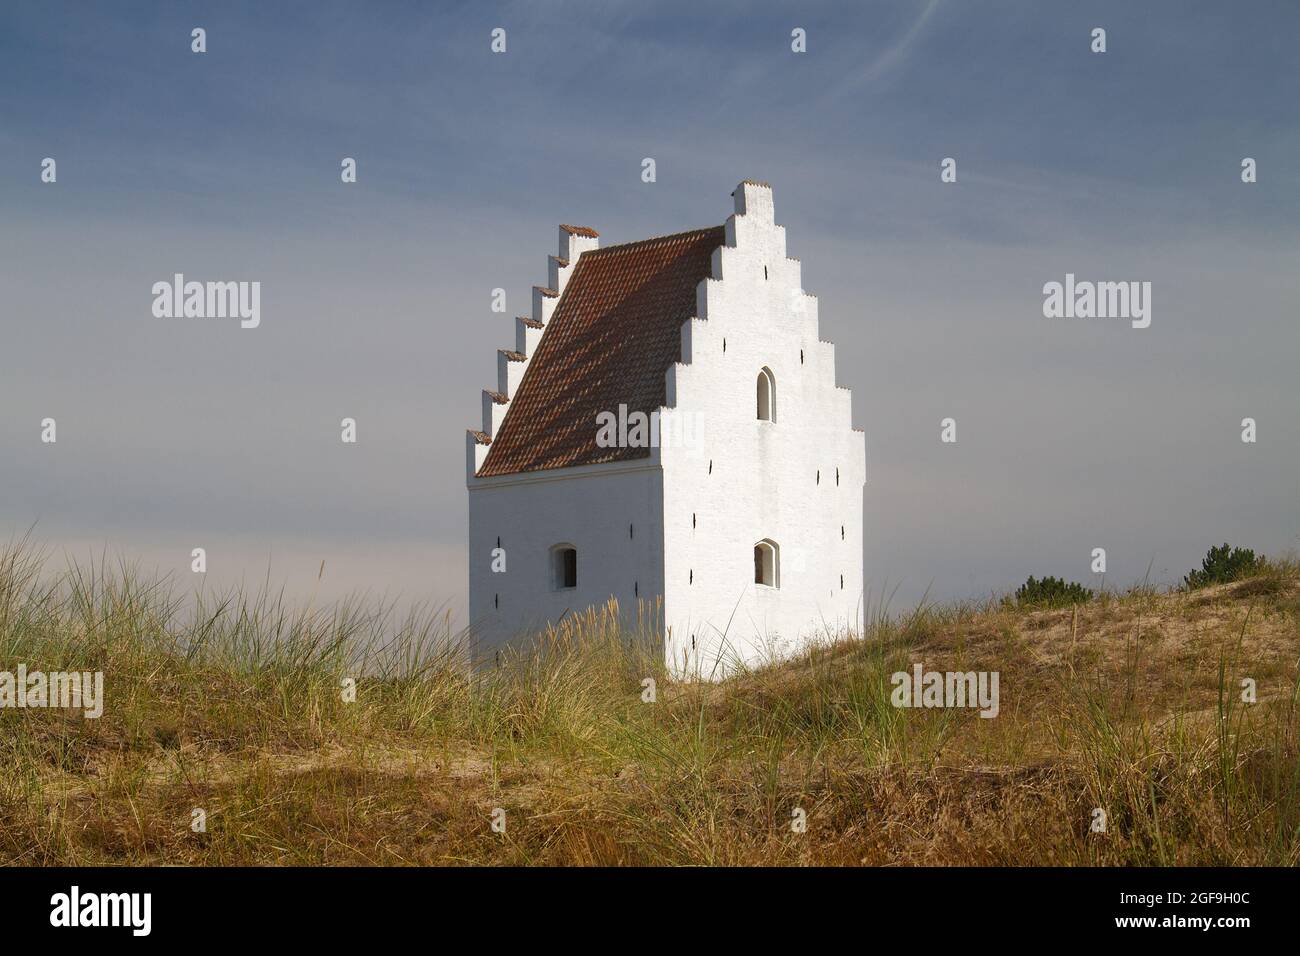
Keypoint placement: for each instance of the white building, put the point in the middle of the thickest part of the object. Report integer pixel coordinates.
(741, 512)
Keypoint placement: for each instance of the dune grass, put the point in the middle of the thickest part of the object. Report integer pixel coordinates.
(235, 706)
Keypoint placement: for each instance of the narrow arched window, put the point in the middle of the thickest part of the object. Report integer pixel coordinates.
(767, 564)
(766, 395)
(564, 567)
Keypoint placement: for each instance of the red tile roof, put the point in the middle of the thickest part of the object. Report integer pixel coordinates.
(612, 337)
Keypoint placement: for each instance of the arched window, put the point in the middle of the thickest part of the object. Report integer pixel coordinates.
(564, 567)
(766, 395)
(767, 563)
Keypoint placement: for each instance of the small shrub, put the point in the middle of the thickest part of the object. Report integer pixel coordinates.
(1051, 592)
(1222, 565)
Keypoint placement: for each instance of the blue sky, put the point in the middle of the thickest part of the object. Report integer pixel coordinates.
(1071, 435)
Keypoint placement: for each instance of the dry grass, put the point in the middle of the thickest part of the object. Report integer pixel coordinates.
(1130, 703)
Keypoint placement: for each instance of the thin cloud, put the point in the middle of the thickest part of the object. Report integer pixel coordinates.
(890, 59)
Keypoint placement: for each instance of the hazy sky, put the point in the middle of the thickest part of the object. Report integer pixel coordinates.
(1072, 434)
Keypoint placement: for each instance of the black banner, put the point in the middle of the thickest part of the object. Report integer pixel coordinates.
(336, 906)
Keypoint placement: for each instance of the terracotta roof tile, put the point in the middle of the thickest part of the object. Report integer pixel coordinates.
(581, 231)
(513, 356)
(481, 437)
(610, 341)
(532, 323)
(499, 398)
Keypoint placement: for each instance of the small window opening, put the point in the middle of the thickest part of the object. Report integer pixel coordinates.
(764, 272)
(564, 567)
(837, 475)
(801, 356)
(724, 345)
(819, 476)
(766, 388)
(496, 601)
(629, 531)
(692, 519)
(767, 570)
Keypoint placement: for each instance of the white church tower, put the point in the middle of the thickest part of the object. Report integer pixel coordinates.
(668, 429)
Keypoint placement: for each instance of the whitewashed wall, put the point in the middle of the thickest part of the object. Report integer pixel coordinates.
(772, 480)
(590, 507)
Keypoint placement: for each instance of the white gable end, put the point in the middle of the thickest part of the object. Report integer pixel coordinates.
(791, 482)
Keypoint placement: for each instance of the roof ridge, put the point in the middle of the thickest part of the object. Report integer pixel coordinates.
(641, 242)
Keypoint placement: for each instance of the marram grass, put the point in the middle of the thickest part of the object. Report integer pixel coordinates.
(235, 706)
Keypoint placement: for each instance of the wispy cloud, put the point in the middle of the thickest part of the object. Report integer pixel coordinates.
(891, 58)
